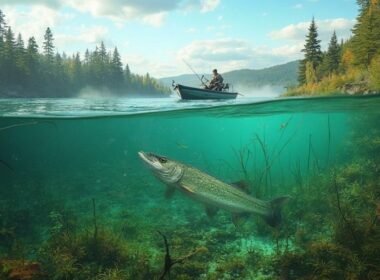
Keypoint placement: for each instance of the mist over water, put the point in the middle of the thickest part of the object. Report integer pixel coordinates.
(264, 91)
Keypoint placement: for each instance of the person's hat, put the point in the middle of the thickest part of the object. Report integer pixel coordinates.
(215, 70)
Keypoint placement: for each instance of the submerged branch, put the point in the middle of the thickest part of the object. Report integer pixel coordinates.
(6, 165)
(169, 261)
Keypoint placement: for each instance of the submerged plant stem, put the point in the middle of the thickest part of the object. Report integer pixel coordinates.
(94, 219)
(329, 140)
(343, 216)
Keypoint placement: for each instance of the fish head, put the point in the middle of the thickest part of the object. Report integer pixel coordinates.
(167, 170)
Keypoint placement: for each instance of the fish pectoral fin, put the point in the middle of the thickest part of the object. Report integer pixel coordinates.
(187, 189)
(211, 211)
(242, 185)
(169, 192)
(239, 218)
(274, 218)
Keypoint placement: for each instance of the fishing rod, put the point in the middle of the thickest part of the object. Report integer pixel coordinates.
(191, 68)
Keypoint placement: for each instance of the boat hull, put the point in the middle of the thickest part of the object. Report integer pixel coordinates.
(191, 93)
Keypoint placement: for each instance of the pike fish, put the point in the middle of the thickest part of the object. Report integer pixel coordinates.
(210, 191)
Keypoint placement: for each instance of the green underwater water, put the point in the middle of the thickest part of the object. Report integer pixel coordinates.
(76, 199)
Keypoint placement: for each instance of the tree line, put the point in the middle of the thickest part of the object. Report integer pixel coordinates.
(352, 66)
(27, 72)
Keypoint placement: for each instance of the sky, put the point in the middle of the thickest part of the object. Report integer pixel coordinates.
(158, 36)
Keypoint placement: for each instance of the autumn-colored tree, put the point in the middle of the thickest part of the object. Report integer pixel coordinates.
(311, 76)
(374, 74)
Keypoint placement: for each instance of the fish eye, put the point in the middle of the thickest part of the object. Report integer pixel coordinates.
(162, 160)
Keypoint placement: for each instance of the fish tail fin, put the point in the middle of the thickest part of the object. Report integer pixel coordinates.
(275, 217)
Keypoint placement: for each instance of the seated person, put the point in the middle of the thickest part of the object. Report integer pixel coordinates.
(216, 82)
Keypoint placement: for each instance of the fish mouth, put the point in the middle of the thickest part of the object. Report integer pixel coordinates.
(150, 160)
(144, 157)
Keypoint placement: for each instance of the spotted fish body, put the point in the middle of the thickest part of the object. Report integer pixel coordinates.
(211, 191)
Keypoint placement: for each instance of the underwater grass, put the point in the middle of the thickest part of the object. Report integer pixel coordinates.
(95, 230)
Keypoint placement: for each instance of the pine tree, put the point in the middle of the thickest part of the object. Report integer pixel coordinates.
(103, 53)
(48, 45)
(87, 57)
(8, 53)
(127, 77)
(302, 72)
(20, 60)
(312, 52)
(32, 61)
(77, 72)
(366, 39)
(2, 35)
(333, 55)
(61, 77)
(312, 48)
(116, 70)
(3, 28)
(32, 49)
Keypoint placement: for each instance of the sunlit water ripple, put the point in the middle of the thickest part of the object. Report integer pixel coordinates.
(243, 106)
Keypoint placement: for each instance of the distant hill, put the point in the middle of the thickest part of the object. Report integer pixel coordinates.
(277, 76)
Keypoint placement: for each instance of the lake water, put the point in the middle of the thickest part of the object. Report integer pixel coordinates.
(77, 201)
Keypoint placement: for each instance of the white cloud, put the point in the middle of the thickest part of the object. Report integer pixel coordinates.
(49, 3)
(139, 64)
(297, 32)
(35, 21)
(217, 50)
(147, 11)
(191, 30)
(298, 6)
(155, 20)
(292, 51)
(229, 54)
(88, 35)
(209, 5)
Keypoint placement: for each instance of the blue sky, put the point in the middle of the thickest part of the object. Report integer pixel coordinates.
(156, 36)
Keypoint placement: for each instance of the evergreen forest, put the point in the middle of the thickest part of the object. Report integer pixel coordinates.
(30, 70)
(351, 66)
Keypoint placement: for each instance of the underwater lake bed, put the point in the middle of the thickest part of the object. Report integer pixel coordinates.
(77, 202)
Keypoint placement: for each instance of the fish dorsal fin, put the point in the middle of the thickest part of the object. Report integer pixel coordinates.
(169, 192)
(239, 218)
(211, 211)
(242, 185)
(187, 189)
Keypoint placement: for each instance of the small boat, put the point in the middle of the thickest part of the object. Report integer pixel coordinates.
(191, 93)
